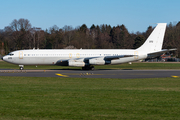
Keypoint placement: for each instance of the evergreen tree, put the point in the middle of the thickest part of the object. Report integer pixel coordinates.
(92, 27)
(83, 28)
(139, 40)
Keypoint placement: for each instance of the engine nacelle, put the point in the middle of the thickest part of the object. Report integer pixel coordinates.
(76, 64)
(97, 62)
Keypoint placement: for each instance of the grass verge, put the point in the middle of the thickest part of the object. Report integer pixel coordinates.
(86, 98)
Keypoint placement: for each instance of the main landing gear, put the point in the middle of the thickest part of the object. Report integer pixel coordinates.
(88, 67)
(21, 67)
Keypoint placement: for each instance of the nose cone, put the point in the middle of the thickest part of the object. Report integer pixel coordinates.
(2, 58)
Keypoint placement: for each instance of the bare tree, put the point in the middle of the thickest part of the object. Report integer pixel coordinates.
(24, 24)
(20, 32)
(68, 35)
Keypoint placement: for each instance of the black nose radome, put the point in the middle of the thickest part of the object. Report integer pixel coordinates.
(2, 58)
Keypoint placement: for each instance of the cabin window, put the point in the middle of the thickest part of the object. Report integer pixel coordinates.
(151, 41)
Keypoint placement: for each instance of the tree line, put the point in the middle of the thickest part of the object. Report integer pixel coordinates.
(21, 35)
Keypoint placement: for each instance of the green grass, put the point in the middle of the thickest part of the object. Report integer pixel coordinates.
(86, 98)
(142, 65)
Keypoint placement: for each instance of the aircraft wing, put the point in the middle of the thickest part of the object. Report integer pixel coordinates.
(86, 59)
(156, 54)
(108, 57)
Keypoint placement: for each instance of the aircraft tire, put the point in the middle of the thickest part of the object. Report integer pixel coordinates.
(92, 68)
(21, 68)
(88, 68)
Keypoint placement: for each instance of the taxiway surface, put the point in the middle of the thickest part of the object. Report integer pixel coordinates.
(122, 74)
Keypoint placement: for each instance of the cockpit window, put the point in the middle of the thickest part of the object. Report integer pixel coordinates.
(11, 54)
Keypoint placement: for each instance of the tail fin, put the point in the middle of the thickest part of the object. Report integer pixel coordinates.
(155, 41)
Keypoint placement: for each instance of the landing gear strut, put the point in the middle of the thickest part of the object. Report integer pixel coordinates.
(21, 67)
(88, 67)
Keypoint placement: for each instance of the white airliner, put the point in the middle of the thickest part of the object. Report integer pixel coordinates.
(86, 58)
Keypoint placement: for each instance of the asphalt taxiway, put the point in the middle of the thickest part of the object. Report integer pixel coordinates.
(122, 74)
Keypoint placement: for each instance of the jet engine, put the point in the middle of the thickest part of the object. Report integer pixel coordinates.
(96, 61)
(76, 64)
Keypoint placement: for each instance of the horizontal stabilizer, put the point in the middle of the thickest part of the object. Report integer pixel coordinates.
(156, 54)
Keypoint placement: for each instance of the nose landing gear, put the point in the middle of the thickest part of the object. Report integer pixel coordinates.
(21, 67)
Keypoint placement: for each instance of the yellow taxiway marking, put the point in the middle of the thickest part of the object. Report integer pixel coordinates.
(61, 75)
(174, 76)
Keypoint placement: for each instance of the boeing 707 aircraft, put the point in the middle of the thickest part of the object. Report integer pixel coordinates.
(86, 58)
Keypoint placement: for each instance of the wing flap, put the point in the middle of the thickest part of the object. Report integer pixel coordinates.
(117, 57)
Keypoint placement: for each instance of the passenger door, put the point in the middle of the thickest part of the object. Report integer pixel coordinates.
(20, 55)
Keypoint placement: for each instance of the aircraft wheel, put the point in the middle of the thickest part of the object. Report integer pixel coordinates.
(92, 68)
(21, 68)
(83, 68)
(88, 68)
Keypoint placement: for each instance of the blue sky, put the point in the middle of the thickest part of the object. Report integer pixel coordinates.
(136, 15)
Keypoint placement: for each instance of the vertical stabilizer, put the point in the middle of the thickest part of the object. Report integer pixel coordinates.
(155, 41)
